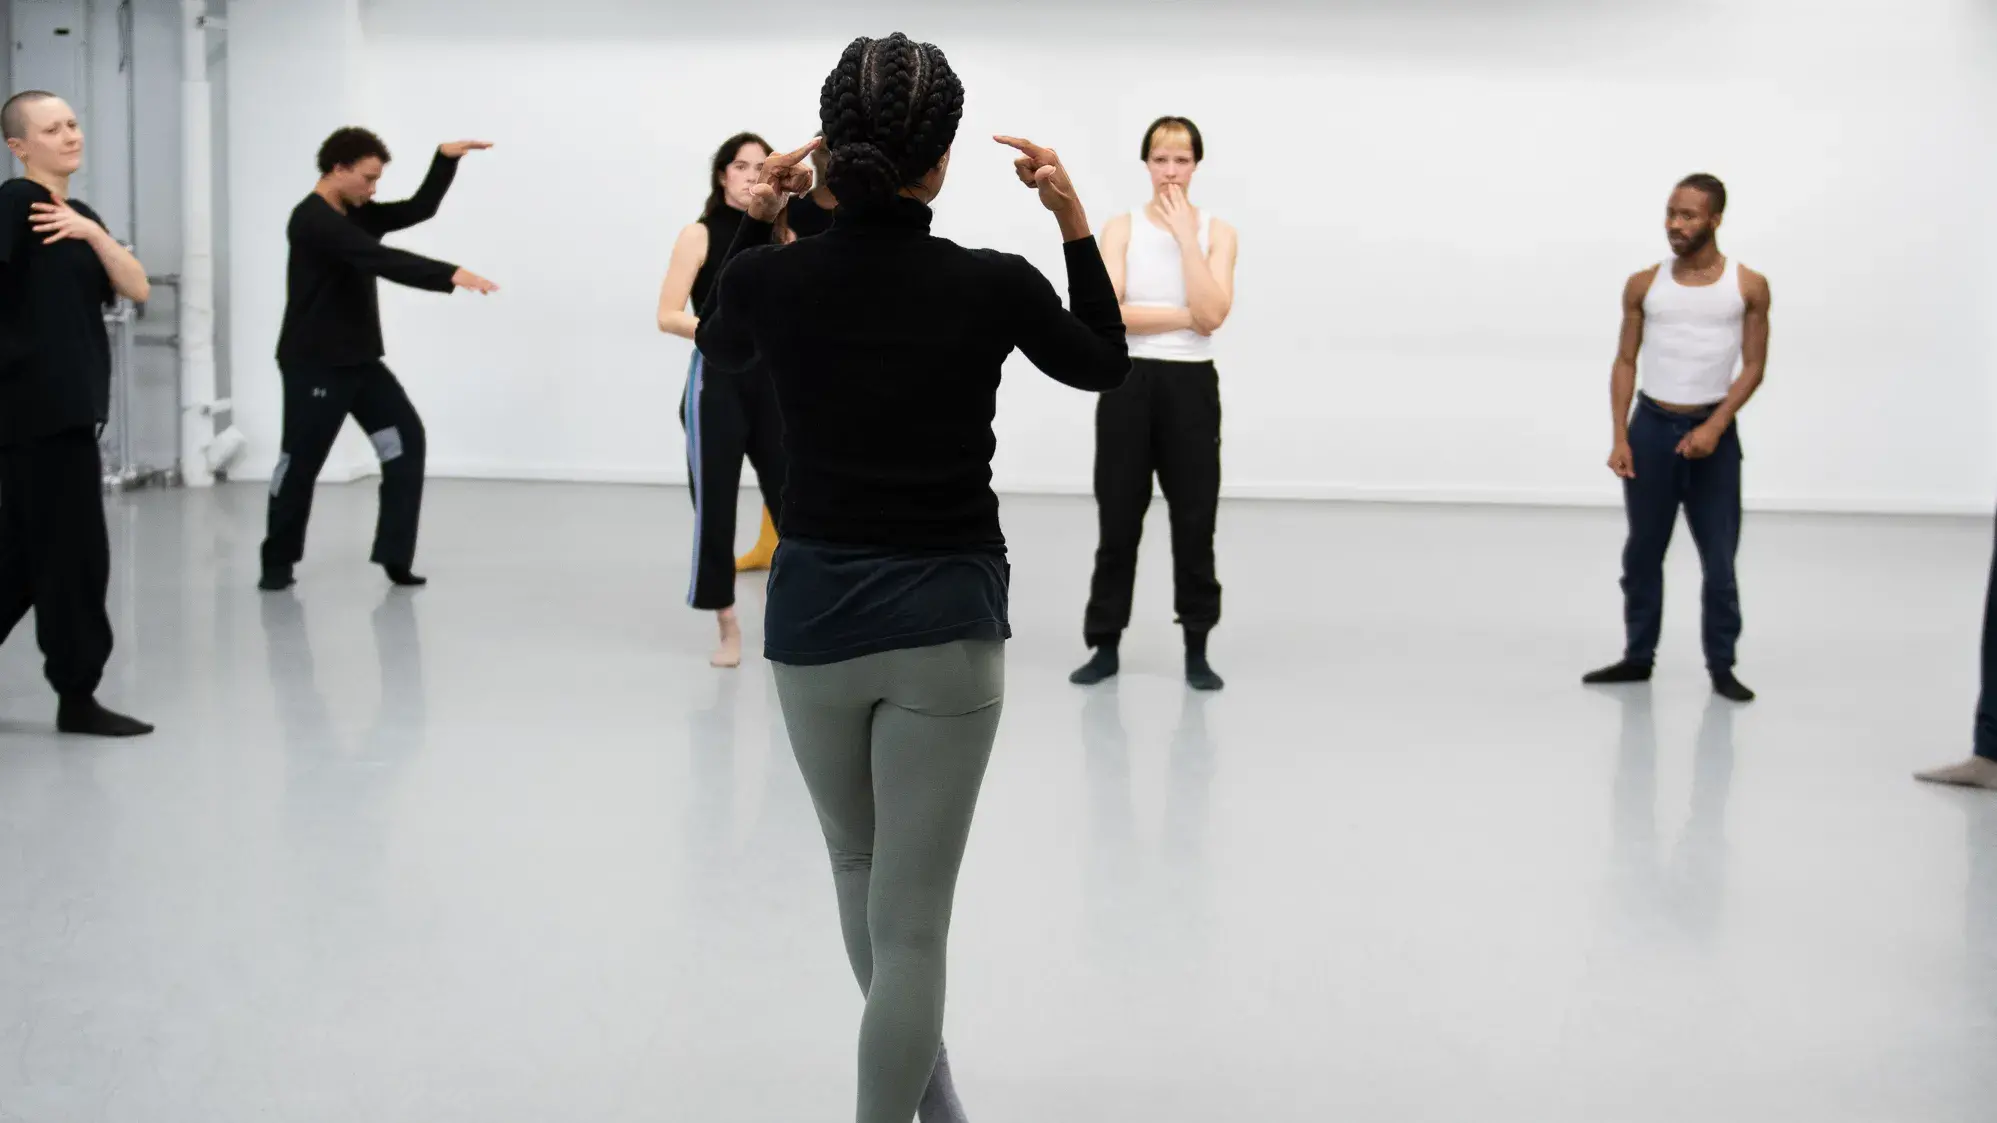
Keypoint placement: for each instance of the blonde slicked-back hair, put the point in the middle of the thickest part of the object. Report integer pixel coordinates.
(1181, 129)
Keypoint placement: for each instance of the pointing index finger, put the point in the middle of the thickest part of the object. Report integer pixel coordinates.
(1026, 146)
(789, 159)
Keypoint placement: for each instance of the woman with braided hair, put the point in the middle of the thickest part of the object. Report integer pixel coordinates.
(887, 615)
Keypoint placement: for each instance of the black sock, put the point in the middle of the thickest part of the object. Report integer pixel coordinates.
(81, 714)
(1199, 674)
(1730, 688)
(1102, 665)
(400, 575)
(276, 579)
(1624, 671)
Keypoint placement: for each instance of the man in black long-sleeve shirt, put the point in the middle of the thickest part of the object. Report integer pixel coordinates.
(329, 350)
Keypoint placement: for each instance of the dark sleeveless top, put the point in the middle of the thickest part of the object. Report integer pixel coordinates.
(721, 228)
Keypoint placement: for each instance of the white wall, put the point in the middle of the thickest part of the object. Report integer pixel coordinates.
(1438, 209)
(1984, 47)
(293, 77)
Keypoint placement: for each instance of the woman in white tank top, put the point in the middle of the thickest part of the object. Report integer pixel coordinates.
(1173, 268)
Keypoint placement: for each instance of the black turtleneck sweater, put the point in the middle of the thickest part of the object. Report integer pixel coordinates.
(885, 343)
(807, 218)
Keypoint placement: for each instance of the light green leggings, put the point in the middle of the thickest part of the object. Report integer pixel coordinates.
(893, 748)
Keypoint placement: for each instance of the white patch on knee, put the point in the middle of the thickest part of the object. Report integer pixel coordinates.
(387, 444)
(278, 474)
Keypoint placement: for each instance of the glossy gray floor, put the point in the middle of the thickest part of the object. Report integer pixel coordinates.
(507, 849)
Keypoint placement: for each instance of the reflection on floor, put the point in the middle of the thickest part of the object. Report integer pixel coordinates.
(506, 848)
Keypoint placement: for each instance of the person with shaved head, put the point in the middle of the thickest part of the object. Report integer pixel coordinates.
(59, 268)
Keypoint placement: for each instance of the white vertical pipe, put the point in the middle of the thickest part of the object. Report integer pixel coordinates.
(197, 266)
(83, 184)
(128, 65)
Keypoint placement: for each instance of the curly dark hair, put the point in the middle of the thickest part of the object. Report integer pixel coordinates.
(717, 195)
(350, 146)
(890, 111)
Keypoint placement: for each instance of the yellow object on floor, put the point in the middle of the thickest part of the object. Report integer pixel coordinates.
(763, 552)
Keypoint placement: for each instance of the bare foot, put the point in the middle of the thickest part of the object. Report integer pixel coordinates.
(729, 654)
(1976, 772)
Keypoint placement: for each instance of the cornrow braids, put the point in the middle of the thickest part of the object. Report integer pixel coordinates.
(889, 112)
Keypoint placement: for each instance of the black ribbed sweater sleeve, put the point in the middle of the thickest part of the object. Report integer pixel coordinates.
(387, 218)
(726, 335)
(327, 231)
(1082, 345)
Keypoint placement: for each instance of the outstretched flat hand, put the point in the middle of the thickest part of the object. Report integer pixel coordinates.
(783, 177)
(466, 279)
(58, 221)
(1040, 168)
(457, 148)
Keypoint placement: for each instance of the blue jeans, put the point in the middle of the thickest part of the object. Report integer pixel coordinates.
(1986, 705)
(1709, 491)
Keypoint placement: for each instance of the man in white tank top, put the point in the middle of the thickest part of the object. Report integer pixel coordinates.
(1173, 268)
(1696, 329)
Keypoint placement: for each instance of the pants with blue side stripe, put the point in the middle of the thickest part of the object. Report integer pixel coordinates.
(727, 415)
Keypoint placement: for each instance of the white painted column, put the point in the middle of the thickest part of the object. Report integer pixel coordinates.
(197, 253)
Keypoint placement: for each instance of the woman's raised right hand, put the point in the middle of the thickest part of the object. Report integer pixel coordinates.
(1041, 169)
(784, 176)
